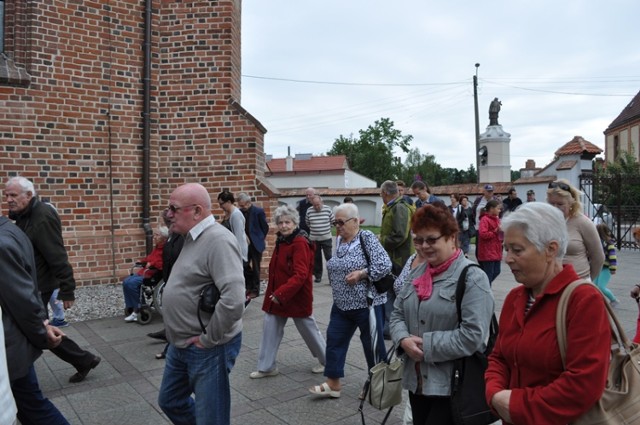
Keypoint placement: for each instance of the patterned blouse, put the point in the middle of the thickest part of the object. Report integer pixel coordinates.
(349, 257)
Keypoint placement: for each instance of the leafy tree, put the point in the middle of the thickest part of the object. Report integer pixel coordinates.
(372, 153)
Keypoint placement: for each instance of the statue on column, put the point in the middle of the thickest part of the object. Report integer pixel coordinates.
(494, 110)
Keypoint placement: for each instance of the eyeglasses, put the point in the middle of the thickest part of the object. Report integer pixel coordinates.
(560, 185)
(341, 222)
(430, 241)
(175, 209)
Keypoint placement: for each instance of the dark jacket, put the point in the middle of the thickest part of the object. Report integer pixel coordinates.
(256, 226)
(22, 311)
(170, 253)
(290, 273)
(42, 225)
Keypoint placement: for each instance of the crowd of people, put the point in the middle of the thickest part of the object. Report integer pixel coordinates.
(424, 243)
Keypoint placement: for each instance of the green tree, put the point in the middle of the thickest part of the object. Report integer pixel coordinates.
(372, 153)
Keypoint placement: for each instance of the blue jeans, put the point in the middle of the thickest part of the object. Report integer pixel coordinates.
(57, 307)
(131, 288)
(33, 406)
(342, 326)
(491, 268)
(203, 372)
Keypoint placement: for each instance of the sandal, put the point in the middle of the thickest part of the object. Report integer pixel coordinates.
(324, 390)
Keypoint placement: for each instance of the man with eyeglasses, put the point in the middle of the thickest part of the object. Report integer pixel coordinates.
(256, 228)
(198, 360)
(319, 218)
(395, 236)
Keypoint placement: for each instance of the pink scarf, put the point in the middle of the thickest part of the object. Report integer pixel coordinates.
(424, 283)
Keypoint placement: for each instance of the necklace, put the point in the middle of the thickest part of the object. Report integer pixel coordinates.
(343, 248)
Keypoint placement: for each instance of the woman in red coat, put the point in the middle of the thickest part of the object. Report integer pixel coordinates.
(289, 294)
(490, 240)
(151, 263)
(525, 381)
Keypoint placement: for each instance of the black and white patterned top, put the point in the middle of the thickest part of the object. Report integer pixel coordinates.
(349, 257)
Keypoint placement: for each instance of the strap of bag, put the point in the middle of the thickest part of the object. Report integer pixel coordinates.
(364, 249)
(618, 334)
(460, 288)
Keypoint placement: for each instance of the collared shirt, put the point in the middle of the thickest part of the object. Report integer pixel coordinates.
(199, 228)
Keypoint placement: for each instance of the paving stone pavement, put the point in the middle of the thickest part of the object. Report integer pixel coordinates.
(123, 389)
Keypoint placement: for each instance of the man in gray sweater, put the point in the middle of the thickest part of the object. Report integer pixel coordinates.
(200, 358)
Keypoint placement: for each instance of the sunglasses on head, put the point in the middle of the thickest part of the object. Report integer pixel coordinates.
(341, 222)
(560, 185)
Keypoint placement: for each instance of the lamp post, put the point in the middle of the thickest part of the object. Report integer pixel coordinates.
(475, 104)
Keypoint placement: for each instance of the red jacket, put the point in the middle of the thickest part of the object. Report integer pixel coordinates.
(527, 361)
(489, 238)
(290, 277)
(153, 260)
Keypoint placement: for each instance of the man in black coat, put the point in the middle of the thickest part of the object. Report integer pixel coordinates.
(26, 329)
(42, 225)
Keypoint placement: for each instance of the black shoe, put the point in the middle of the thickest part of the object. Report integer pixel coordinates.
(317, 280)
(161, 334)
(82, 373)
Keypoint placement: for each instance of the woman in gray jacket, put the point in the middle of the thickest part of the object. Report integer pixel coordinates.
(424, 322)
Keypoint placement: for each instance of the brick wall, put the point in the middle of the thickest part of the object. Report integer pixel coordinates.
(76, 129)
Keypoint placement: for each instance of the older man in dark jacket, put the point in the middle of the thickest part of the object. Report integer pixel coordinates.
(42, 225)
(25, 328)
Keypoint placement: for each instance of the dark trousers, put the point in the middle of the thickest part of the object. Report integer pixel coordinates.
(491, 268)
(68, 350)
(430, 410)
(33, 406)
(322, 247)
(252, 282)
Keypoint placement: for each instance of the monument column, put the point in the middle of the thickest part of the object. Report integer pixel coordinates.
(494, 143)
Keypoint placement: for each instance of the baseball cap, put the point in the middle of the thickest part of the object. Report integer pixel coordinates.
(530, 192)
(488, 187)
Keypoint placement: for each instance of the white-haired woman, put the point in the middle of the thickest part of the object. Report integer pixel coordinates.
(289, 294)
(152, 263)
(349, 276)
(584, 250)
(526, 381)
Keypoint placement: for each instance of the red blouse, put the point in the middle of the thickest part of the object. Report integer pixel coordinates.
(527, 361)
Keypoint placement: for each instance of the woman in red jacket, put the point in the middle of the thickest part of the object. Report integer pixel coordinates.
(152, 263)
(490, 240)
(289, 294)
(526, 382)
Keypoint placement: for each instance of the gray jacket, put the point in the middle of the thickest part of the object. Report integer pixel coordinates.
(436, 321)
(22, 311)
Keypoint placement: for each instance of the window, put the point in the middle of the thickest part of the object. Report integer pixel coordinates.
(1, 26)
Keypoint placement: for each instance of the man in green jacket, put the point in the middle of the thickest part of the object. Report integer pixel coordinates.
(395, 235)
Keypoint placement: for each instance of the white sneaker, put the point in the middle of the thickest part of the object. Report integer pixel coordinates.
(317, 369)
(257, 374)
(133, 317)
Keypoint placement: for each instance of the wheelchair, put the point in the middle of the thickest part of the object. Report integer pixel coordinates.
(150, 293)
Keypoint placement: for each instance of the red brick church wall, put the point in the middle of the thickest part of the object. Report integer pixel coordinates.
(76, 129)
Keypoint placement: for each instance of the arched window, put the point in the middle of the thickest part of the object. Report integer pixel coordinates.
(14, 33)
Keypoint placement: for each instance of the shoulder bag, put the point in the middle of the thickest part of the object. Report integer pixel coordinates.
(468, 402)
(620, 402)
(383, 284)
(383, 389)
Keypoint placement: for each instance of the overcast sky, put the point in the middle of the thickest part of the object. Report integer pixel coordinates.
(313, 71)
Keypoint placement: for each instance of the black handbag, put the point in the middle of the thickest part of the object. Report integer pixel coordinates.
(468, 402)
(209, 297)
(386, 282)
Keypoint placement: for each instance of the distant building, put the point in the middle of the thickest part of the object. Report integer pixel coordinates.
(623, 134)
(306, 170)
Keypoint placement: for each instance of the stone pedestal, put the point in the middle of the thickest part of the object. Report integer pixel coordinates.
(498, 167)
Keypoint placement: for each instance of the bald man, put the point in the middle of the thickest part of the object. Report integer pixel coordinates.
(200, 355)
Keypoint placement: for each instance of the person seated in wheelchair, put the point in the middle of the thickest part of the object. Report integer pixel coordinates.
(149, 267)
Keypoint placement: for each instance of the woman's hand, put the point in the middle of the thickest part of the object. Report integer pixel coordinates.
(635, 292)
(355, 277)
(274, 299)
(195, 340)
(500, 402)
(412, 346)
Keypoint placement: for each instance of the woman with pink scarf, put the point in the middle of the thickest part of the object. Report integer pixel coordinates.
(424, 323)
